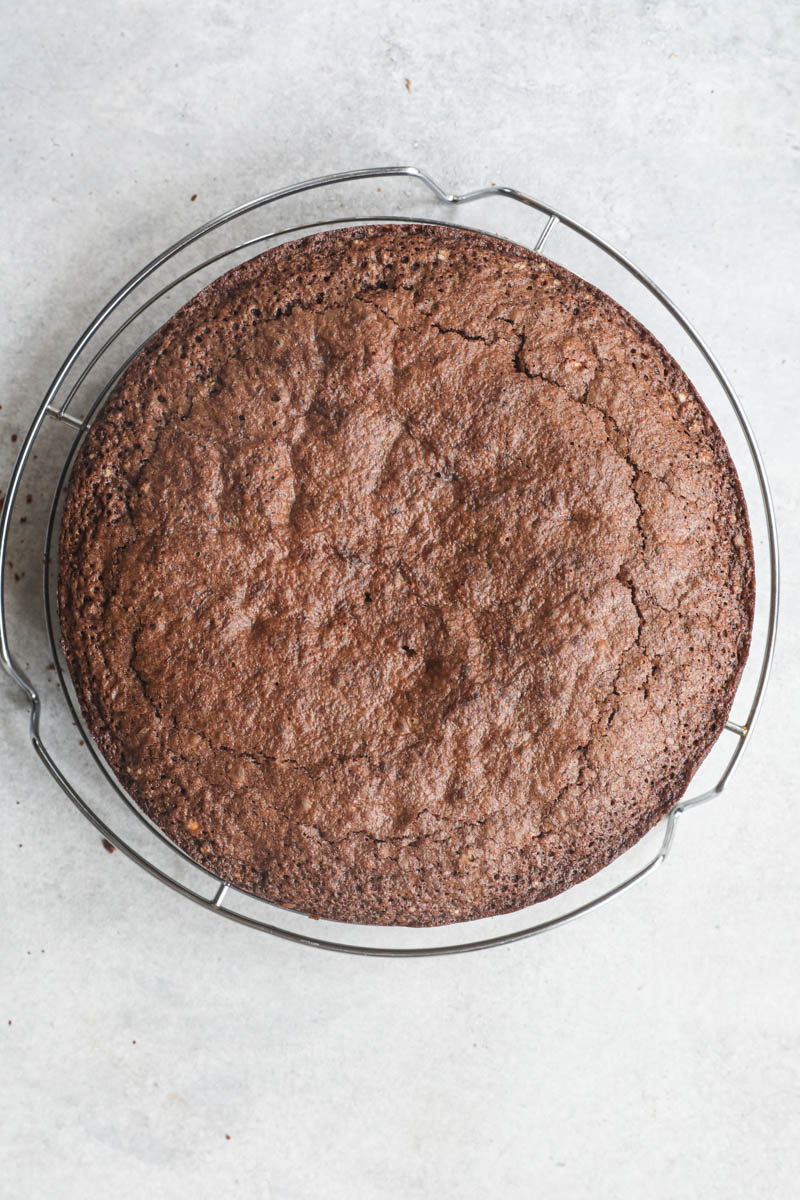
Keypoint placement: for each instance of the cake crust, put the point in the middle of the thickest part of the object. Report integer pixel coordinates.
(405, 578)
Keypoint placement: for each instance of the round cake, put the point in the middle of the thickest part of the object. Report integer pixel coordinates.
(404, 578)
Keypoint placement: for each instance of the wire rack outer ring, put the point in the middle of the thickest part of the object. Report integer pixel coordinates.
(48, 408)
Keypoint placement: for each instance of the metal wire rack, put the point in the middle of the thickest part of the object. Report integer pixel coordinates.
(86, 378)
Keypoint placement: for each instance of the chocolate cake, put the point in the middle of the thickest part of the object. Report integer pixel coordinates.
(404, 578)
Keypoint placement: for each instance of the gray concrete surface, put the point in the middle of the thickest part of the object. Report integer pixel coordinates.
(649, 1050)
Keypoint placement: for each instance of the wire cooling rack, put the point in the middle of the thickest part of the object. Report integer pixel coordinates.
(88, 375)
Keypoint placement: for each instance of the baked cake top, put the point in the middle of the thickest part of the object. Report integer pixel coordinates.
(404, 578)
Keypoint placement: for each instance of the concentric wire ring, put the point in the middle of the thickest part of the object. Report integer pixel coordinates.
(54, 407)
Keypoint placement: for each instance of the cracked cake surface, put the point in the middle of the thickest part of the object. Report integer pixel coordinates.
(404, 578)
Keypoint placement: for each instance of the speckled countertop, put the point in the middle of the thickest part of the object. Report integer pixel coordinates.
(650, 1049)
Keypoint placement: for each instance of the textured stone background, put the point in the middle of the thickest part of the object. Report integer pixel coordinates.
(651, 1049)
